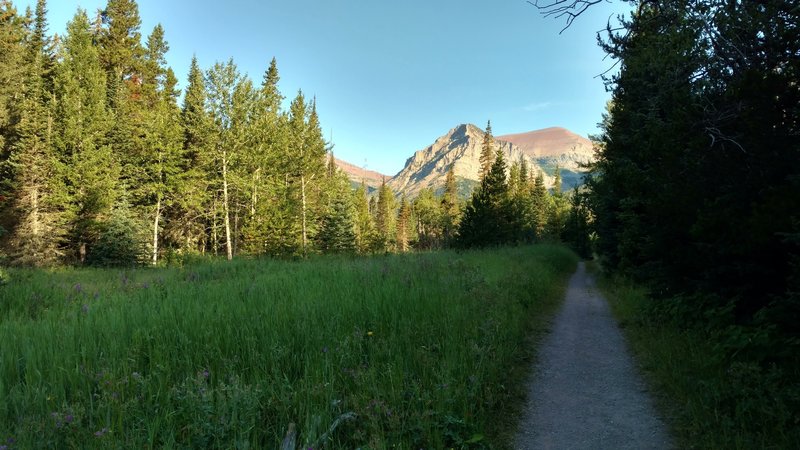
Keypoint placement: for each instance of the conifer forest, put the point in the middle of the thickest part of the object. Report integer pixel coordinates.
(105, 162)
(189, 268)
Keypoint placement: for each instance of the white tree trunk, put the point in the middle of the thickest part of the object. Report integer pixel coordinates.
(226, 207)
(155, 231)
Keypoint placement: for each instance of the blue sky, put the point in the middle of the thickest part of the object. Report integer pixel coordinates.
(391, 77)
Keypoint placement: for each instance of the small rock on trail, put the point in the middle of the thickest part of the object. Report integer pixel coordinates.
(585, 392)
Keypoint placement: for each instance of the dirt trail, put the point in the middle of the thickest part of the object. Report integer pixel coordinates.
(585, 392)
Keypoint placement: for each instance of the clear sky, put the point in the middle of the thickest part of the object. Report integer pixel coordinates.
(392, 76)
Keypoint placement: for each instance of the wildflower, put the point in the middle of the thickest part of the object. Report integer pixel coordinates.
(136, 376)
(78, 288)
(101, 433)
(369, 333)
(69, 418)
(205, 373)
(85, 309)
(324, 349)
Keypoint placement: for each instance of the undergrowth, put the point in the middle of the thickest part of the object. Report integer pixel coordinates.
(718, 385)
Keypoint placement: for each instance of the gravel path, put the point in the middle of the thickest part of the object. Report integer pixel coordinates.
(585, 392)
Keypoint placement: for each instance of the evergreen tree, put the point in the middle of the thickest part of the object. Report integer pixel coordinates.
(429, 222)
(539, 206)
(81, 124)
(451, 209)
(12, 70)
(487, 151)
(193, 194)
(385, 217)
(488, 216)
(404, 223)
(365, 232)
(337, 230)
(38, 189)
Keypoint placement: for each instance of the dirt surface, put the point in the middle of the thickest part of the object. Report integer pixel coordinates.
(585, 392)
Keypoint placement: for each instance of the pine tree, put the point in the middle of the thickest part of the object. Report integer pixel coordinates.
(404, 223)
(81, 126)
(159, 164)
(120, 42)
(365, 232)
(451, 210)
(487, 151)
(385, 217)
(488, 217)
(38, 190)
(429, 221)
(193, 194)
(540, 206)
(337, 230)
(12, 70)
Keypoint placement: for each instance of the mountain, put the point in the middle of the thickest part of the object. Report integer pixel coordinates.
(461, 147)
(552, 146)
(556, 146)
(358, 175)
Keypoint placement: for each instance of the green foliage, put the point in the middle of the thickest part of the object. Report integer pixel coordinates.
(117, 241)
(488, 217)
(423, 354)
(716, 390)
(696, 188)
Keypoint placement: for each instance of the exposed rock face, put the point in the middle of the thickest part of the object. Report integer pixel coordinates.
(460, 147)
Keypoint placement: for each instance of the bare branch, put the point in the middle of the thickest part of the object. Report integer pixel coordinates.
(569, 9)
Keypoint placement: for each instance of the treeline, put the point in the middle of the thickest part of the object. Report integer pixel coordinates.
(101, 164)
(697, 189)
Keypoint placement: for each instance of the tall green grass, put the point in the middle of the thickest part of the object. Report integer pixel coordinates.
(407, 351)
(712, 398)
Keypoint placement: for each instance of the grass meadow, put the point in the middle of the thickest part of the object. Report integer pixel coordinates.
(400, 351)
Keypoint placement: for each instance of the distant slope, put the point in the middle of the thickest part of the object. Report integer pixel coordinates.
(551, 146)
(358, 175)
(461, 148)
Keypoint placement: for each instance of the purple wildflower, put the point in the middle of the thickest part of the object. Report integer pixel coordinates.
(85, 308)
(100, 433)
(69, 418)
(78, 287)
(3, 447)
(205, 373)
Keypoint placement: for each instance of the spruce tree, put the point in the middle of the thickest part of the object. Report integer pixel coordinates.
(451, 210)
(488, 217)
(385, 217)
(81, 124)
(404, 223)
(194, 193)
(365, 232)
(12, 70)
(487, 151)
(337, 231)
(38, 189)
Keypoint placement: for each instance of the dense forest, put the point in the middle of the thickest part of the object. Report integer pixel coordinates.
(696, 190)
(105, 162)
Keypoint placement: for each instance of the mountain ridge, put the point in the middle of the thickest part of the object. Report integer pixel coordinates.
(460, 147)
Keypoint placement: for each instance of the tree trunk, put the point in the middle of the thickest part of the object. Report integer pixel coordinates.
(303, 194)
(226, 207)
(155, 231)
